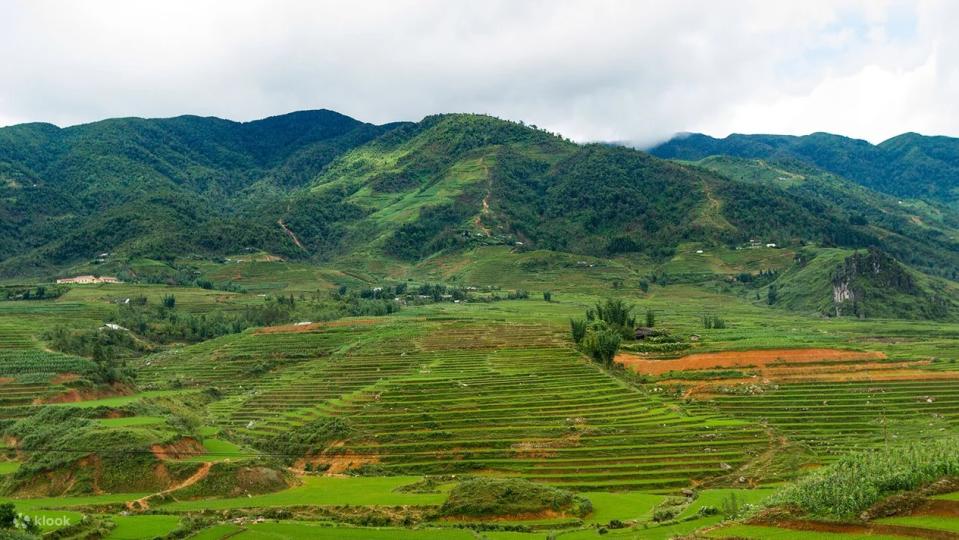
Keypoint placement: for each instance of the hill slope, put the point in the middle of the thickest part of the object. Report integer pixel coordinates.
(908, 165)
(317, 185)
(157, 187)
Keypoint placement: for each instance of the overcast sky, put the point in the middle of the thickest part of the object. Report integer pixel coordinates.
(632, 71)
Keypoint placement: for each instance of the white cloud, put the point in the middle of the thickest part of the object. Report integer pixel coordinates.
(593, 70)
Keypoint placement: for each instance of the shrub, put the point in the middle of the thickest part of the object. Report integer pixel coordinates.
(601, 343)
(708, 510)
(578, 330)
(508, 496)
(713, 322)
(664, 514)
(309, 438)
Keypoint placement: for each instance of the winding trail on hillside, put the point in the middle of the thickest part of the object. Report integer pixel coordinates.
(485, 211)
(143, 503)
(291, 234)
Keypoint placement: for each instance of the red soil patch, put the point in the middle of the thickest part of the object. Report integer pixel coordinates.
(74, 396)
(5, 380)
(936, 507)
(338, 462)
(742, 359)
(183, 448)
(292, 328)
(863, 372)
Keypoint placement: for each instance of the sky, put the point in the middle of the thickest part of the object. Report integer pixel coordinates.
(593, 70)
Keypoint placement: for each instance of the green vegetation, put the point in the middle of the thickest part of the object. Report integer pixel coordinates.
(135, 527)
(488, 497)
(908, 165)
(328, 329)
(856, 481)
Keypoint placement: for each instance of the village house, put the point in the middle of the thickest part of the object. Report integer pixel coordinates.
(644, 332)
(89, 279)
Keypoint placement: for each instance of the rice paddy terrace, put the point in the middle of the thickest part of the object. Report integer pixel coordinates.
(426, 397)
(451, 391)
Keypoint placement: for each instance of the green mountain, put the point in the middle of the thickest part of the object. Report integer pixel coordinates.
(320, 186)
(157, 187)
(908, 165)
(917, 233)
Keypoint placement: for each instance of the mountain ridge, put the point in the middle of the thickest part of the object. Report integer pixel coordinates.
(906, 165)
(203, 186)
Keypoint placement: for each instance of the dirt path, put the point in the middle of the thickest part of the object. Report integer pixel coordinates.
(485, 211)
(291, 234)
(144, 502)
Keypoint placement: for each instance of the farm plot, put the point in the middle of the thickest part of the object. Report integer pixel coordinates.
(513, 399)
(233, 360)
(784, 366)
(834, 418)
(301, 393)
(458, 396)
(28, 373)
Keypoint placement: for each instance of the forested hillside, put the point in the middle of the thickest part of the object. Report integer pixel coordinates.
(320, 186)
(908, 165)
(158, 187)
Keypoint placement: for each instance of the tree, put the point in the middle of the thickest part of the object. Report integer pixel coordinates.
(169, 301)
(650, 318)
(617, 314)
(8, 515)
(772, 294)
(713, 321)
(548, 296)
(578, 329)
(601, 343)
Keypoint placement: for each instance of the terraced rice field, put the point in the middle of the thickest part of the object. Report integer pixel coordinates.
(231, 360)
(833, 418)
(457, 396)
(28, 372)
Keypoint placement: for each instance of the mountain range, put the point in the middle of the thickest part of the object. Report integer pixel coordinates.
(907, 165)
(320, 186)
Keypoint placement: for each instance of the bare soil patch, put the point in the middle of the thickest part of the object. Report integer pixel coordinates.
(144, 503)
(336, 460)
(183, 448)
(936, 507)
(74, 396)
(742, 359)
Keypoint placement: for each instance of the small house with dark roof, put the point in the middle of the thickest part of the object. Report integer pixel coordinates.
(644, 332)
